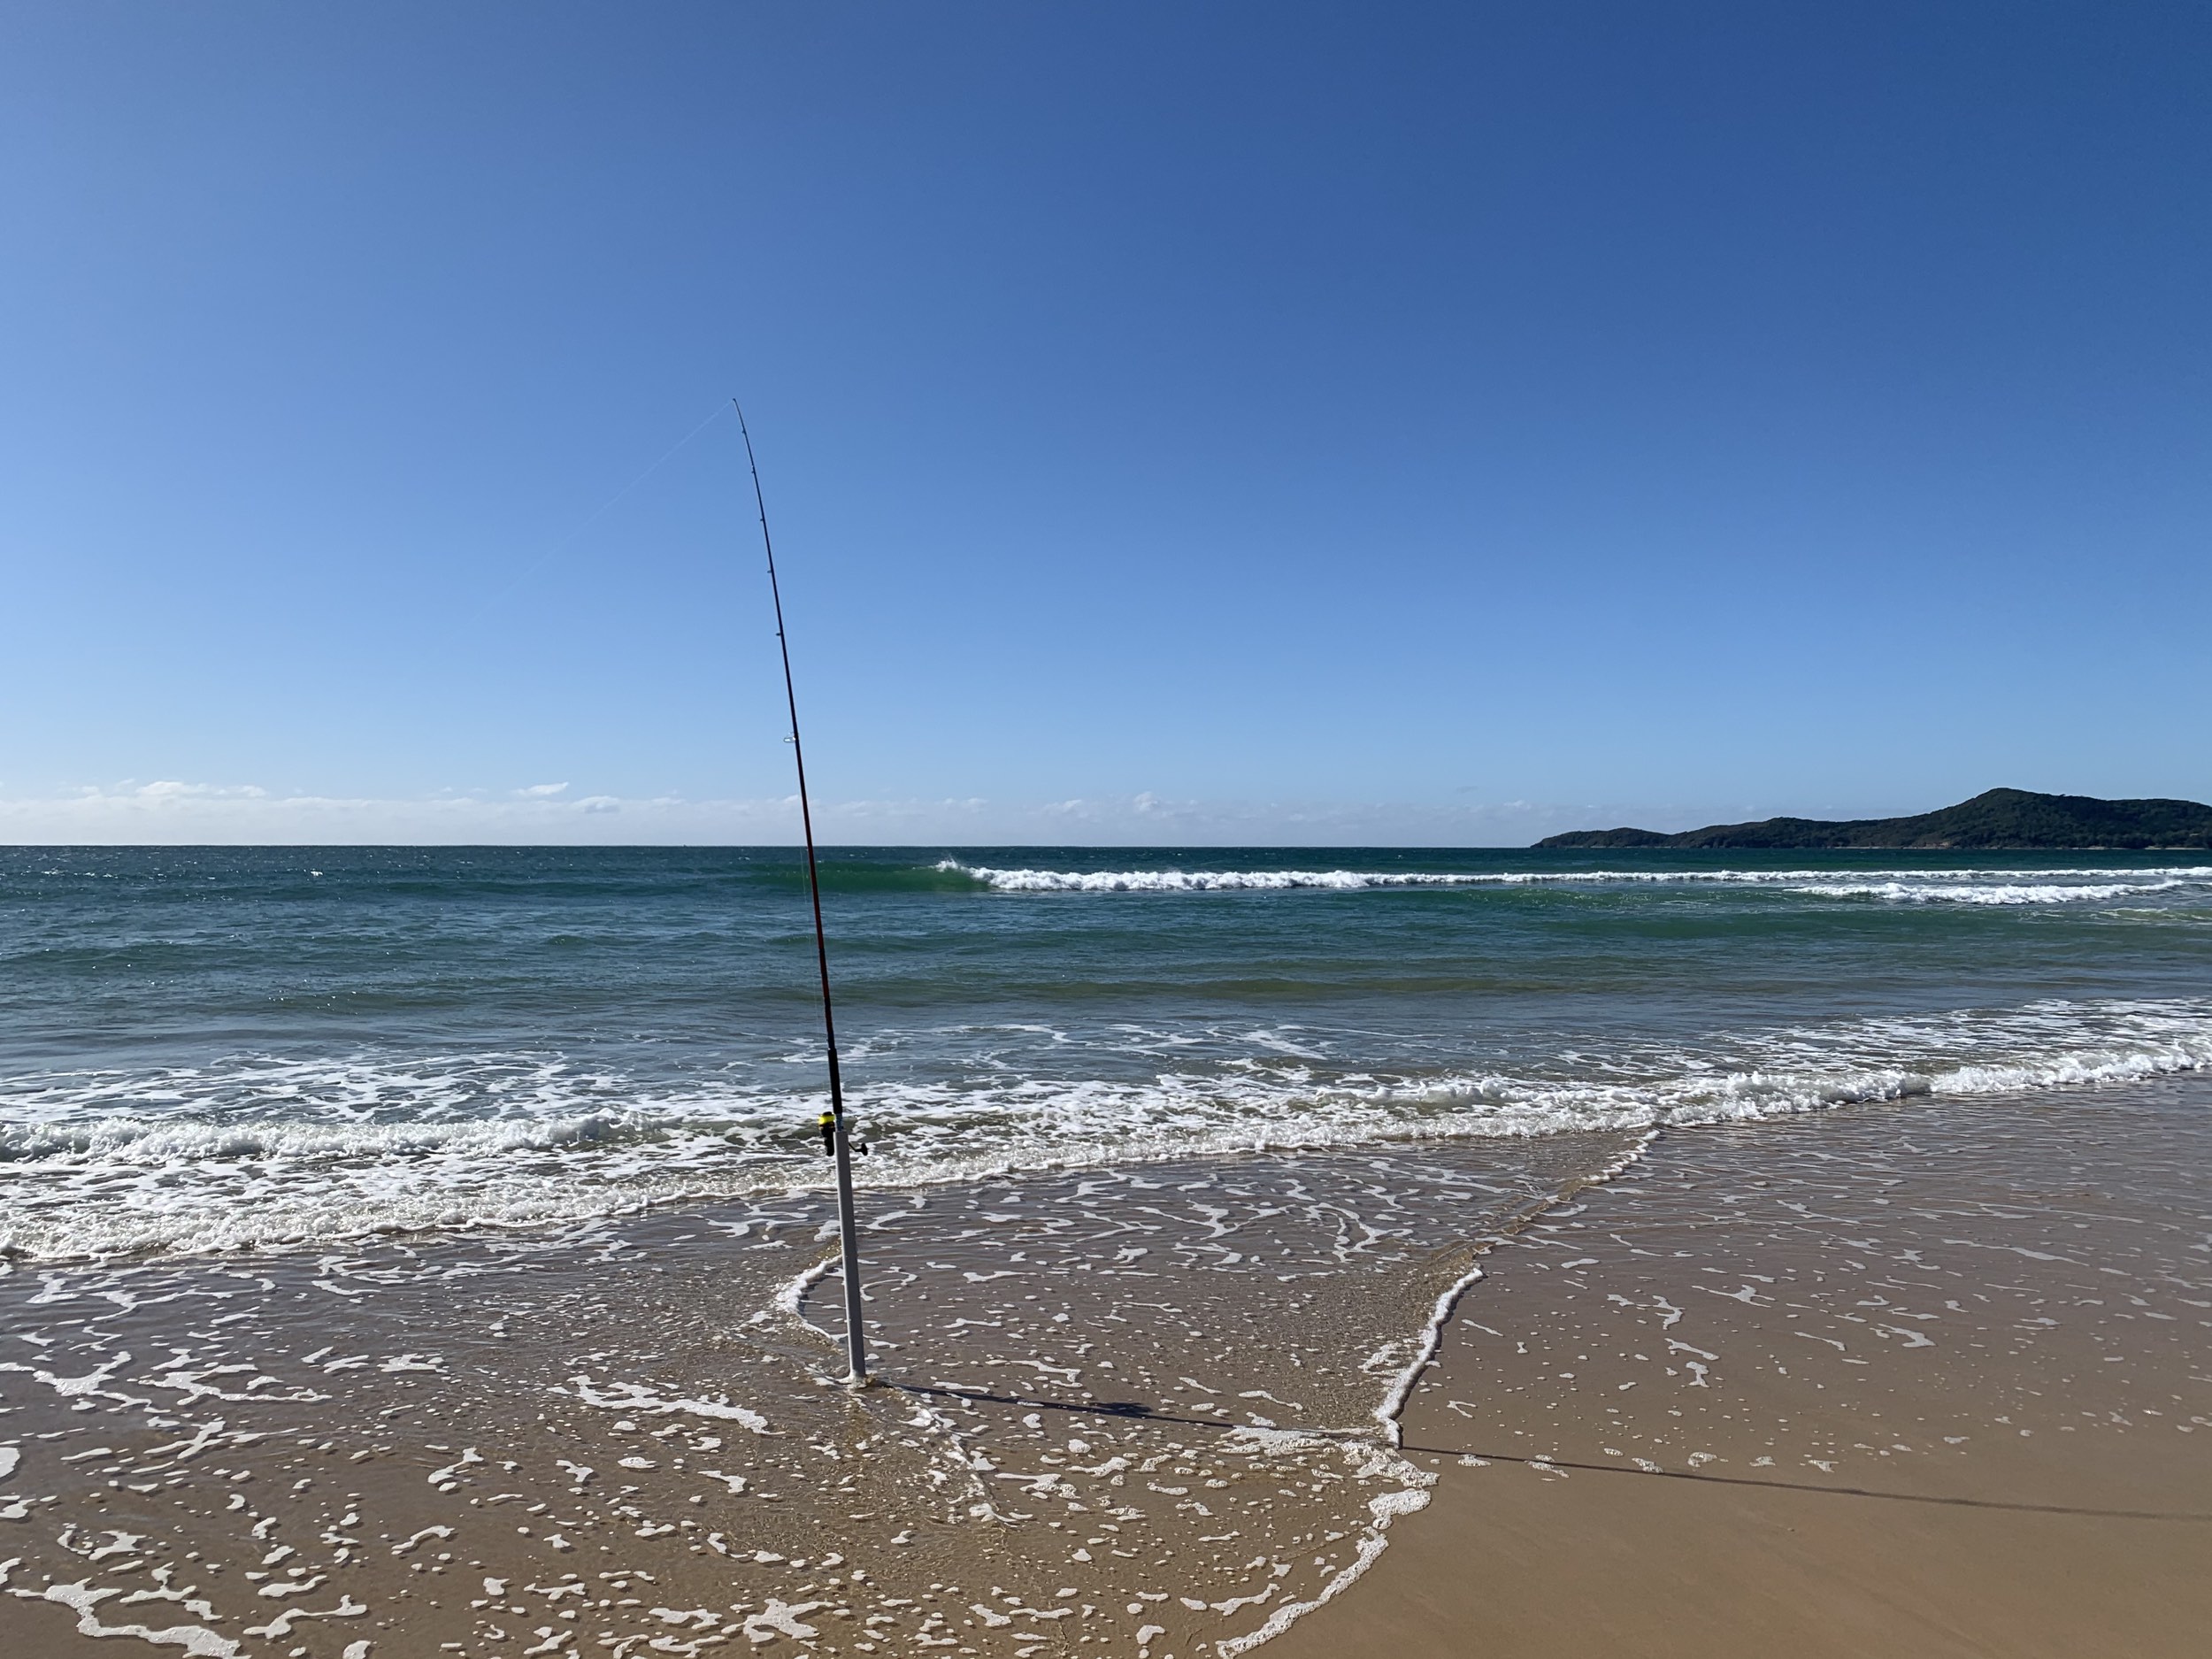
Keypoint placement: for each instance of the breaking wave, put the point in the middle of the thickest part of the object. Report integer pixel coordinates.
(1983, 893)
(1912, 887)
(104, 1164)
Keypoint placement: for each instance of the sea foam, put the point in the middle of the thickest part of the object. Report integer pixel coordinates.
(93, 1182)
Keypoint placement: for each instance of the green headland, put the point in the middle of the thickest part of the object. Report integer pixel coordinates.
(1996, 820)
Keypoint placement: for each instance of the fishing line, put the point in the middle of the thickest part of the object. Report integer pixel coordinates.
(593, 517)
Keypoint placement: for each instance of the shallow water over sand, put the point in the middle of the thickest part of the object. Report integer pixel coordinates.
(1135, 1410)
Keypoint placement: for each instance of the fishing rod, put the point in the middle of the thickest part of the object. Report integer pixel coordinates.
(836, 1136)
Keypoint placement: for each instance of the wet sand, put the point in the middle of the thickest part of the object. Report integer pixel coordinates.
(1125, 1411)
(1927, 1380)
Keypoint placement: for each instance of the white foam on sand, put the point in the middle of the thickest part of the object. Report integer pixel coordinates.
(627, 1396)
(1413, 1494)
(1410, 1498)
(195, 1640)
(1394, 1403)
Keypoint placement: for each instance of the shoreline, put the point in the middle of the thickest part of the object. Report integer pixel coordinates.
(1154, 1302)
(1646, 1110)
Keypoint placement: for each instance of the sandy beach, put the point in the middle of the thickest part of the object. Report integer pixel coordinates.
(1914, 1379)
(1926, 1377)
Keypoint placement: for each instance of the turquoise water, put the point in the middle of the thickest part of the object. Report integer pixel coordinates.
(207, 1048)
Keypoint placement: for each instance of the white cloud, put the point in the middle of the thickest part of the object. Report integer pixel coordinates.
(173, 812)
(169, 812)
(170, 789)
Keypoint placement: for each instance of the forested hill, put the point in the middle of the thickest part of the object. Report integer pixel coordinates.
(1997, 820)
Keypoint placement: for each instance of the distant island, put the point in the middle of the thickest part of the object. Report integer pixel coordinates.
(1996, 821)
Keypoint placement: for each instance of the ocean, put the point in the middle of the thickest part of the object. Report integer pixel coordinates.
(213, 1048)
(409, 1250)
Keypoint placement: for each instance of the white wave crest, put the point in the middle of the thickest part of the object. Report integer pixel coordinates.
(1961, 886)
(1205, 881)
(156, 1143)
(1933, 892)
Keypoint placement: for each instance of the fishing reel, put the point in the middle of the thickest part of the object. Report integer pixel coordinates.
(828, 1126)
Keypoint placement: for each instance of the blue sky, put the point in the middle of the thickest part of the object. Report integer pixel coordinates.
(1181, 423)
